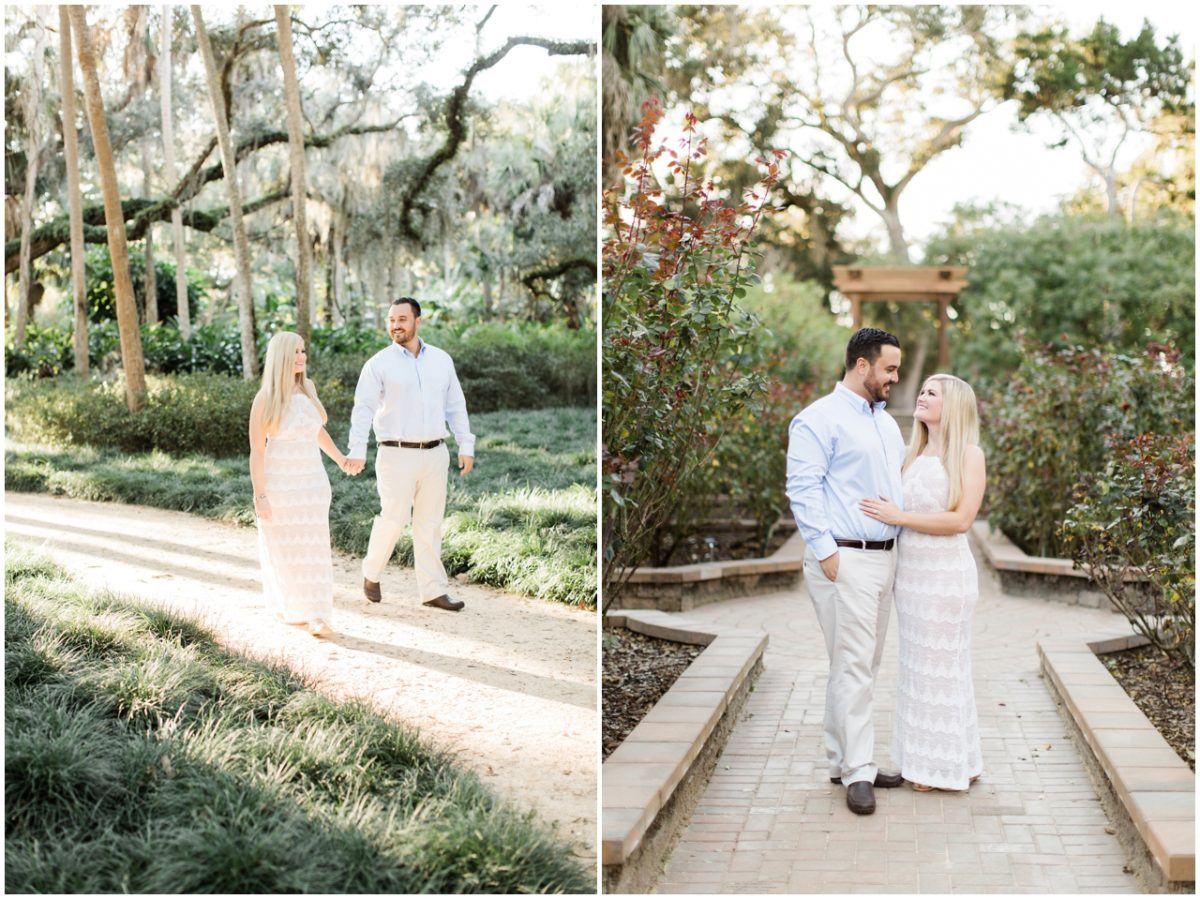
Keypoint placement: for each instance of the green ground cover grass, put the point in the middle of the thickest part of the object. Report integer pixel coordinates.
(524, 520)
(141, 757)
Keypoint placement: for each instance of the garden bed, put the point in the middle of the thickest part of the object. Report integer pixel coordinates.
(1039, 577)
(1165, 693)
(638, 670)
(652, 781)
(1145, 789)
(729, 539)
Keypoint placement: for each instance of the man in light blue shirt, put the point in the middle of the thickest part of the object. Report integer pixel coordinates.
(409, 392)
(842, 448)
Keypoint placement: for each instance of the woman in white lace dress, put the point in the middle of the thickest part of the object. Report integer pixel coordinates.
(291, 489)
(935, 739)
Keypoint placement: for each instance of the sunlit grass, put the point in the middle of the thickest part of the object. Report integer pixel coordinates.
(141, 757)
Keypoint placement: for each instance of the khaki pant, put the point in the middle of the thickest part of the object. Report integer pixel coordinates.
(853, 612)
(412, 487)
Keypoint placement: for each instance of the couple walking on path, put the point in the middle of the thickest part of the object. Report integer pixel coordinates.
(409, 392)
(879, 520)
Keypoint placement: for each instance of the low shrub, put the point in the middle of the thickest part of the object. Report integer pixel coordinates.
(1054, 424)
(46, 353)
(500, 366)
(184, 413)
(1138, 517)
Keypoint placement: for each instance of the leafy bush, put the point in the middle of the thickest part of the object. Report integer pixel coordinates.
(184, 413)
(500, 365)
(1070, 280)
(46, 353)
(1138, 518)
(800, 330)
(750, 463)
(1054, 423)
(676, 344)
(101, 293)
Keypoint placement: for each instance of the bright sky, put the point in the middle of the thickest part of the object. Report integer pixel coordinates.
(997, 162)
(519, 74)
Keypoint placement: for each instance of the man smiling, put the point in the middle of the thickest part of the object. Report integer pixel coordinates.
(409, 392)
(842, 448)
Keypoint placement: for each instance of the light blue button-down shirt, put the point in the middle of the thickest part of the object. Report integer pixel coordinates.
(841, 449)
(409, 398)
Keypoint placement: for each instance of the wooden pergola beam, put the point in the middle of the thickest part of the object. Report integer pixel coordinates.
(939, 284)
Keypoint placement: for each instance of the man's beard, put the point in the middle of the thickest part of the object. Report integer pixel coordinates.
(877, 391)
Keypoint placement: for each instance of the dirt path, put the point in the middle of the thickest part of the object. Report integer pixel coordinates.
(508, 684)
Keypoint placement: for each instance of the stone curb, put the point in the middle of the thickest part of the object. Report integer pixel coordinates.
(640, 778)
(1004, 555)
(1144, 776)
(680, 588)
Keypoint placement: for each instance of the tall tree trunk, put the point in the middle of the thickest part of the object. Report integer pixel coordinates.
(165, 72)
(150, 280)
(74, 194)
(31, 97)
(241, 249)
(127, 321)
(338, 261)
(897, 242)
(291, 91)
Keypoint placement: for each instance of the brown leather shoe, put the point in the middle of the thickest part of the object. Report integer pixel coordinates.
(445, 602)
(371, 590)
(883, 780)
(860, 798)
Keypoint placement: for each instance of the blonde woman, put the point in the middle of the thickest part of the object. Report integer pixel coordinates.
(935, 740)
(291, 489)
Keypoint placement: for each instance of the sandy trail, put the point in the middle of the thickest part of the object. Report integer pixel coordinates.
(508, 684)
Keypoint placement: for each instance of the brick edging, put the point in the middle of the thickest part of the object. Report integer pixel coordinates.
(678, 740)
(1144, 783)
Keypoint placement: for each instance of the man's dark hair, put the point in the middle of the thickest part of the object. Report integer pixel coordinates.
(867, 343)
(416, 307)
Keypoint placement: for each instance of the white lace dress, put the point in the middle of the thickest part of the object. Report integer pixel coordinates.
(297, 568)
(935, 740)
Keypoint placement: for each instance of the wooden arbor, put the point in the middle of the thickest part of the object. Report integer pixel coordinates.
(904, 284)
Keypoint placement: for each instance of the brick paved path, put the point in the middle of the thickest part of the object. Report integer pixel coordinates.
(770, 821)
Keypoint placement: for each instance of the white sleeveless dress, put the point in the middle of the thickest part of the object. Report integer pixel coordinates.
(297, 568)
(935, 740)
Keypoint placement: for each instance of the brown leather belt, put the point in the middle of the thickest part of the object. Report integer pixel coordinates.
(406, 445)
(866, 544)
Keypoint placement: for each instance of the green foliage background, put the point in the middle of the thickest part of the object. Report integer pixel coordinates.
(1067, 280)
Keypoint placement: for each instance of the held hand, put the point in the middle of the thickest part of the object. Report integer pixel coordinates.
(882, 509)
(465, 464)
(830, 566)
(262, 508)
(354, 466)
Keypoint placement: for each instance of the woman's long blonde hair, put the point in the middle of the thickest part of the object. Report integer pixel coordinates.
(280, 380)
(960, 429)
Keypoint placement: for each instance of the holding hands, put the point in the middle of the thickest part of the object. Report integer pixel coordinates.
(262, 507)
(352, 467)
(882, 509)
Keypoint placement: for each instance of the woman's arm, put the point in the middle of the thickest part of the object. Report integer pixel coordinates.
(330, 448)
(955, 521)
(258, 451)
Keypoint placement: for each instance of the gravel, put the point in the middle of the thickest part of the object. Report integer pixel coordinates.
(638, 670)
(1165, 692)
